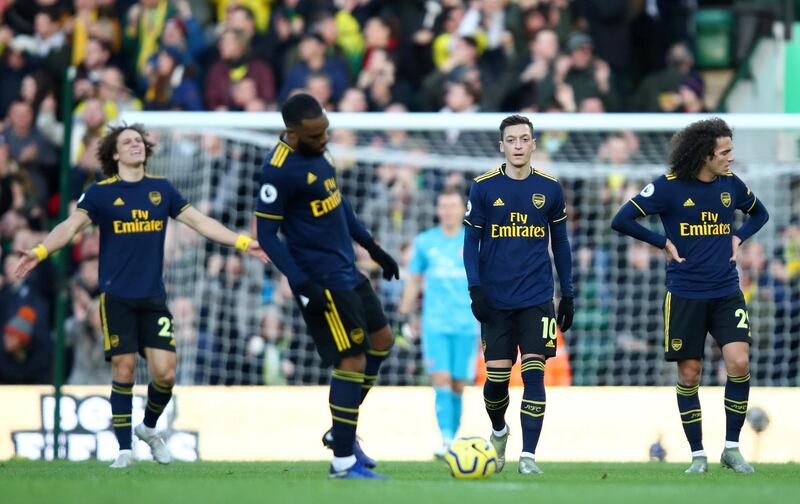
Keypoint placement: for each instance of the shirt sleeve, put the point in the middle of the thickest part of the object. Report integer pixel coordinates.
(653, 198)
(419, 261)
(88, 203)
(475, 216)
(273, 194)
(177, 203)
(745, 199)
(558, 211)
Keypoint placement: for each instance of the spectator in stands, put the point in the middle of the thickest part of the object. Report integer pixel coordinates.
(88, 24)
(580, 75)
(313, 58)
(95, 58)
(236, 63)
(117, 97)
(84, 335)
(89, 122)
(656, 92)
(26, 144)
(353, 100)
(461, 60)
(535, 84)
(184, 34)
(25, 357)
(319, 86)
(379, 82)
(637, 337)
(14, 66)
(241, 18)
(144, 25)
(87, 169)
(170, 84)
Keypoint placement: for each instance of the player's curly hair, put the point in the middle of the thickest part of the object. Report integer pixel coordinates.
(108, 147)
(691, 146)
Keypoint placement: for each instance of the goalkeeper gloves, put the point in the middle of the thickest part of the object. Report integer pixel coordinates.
(386, 262)
(566, 310)
(481, 305)
(312, 297)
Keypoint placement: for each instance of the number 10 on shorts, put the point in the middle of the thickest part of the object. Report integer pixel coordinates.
(549, 328)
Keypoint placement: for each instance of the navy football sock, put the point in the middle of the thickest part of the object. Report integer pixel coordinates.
(495, 395)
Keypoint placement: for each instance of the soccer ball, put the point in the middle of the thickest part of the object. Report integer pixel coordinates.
(471, 458)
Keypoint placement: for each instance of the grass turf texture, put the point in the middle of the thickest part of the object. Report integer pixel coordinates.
(412, 483)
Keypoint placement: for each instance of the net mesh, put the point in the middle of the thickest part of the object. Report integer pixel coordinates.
(236, 322)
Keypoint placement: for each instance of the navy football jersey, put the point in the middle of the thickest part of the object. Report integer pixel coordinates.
(514, 217)
(132, 218)
(698, 219)
(302, 192)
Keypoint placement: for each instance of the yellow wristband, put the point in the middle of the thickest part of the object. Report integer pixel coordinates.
(242, 242)
(40, 252)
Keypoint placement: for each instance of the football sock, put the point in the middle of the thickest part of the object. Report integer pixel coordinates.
(344, 399)
(737, 391)
(444, 412)
(157, 398)
(495, 395)
(374, 360)
(533, 403)
(121, 408)
(691, 416)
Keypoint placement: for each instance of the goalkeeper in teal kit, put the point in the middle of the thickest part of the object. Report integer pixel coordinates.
(300, 196)
(696, 201)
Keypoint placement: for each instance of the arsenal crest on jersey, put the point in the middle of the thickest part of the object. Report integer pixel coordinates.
(155, 197)
(726, 199)
(538, 200)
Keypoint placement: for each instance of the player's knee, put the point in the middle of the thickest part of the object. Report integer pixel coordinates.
(123, 368)
(354, 363)
(458, 387)
(382, 339)
(689, 374)
(165, 378)
(739, 365)
(441, 380)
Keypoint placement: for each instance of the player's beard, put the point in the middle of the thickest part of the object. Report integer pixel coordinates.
(308, 151)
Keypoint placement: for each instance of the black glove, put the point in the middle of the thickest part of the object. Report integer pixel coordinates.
(481, 305)
(566, 310)
(387, 263)
(312, 297)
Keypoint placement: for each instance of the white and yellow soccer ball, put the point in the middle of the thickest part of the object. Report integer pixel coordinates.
(471, 458)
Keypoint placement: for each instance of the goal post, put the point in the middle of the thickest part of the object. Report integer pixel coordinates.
(235, 319)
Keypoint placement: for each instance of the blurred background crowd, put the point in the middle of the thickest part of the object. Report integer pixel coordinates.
(450, 56)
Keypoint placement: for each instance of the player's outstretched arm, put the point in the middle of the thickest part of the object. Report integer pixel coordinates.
(60, 236)
(215, 231)
(361, 236)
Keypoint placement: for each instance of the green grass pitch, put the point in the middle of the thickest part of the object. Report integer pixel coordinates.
(412, 483)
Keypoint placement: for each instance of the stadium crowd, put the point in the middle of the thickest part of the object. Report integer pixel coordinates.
(451, 56)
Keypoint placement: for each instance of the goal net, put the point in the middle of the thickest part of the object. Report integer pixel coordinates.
(235, 319)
